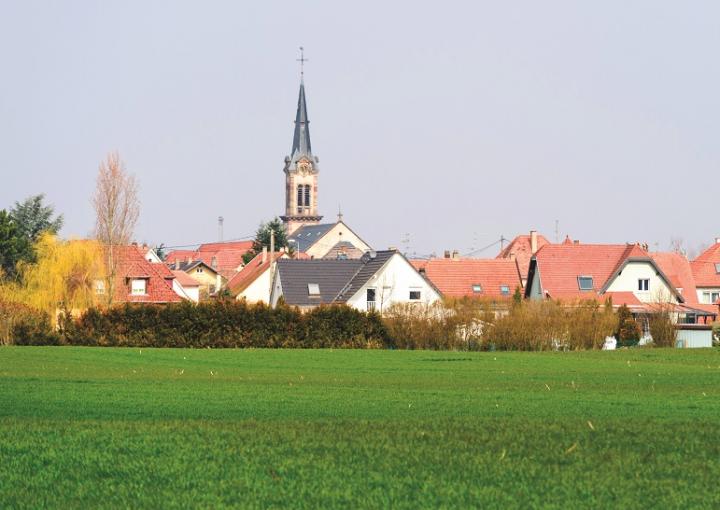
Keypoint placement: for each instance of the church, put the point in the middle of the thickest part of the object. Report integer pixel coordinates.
(302, 220)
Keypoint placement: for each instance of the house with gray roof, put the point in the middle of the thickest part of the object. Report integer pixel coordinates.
(328, 240)
(375, 281)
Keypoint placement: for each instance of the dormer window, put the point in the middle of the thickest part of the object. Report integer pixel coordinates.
(313, 290)
(476, 288)
(585, 282)
(138, 287)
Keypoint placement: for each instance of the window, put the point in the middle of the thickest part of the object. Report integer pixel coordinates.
(307, 195)
(370, 294)
(138, 287)
(585, 282)
(414, 295)
(99, 287)
(299, 197)
(505, 290)
(314, 289)
(643, 284)
(477, 288)
(717, 267)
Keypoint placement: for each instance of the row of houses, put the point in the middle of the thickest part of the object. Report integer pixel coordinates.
(332, 269)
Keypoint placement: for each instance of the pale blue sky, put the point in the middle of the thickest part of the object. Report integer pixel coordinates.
(453, 122)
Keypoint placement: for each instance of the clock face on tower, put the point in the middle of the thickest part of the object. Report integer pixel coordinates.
(304, 167)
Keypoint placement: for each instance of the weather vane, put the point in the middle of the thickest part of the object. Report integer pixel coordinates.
(302, 61)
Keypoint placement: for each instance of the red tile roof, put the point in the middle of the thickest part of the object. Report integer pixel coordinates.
(131, 264)
(225, 258)
(704, 269)
(560, 265)
(251, 272)
(456, 277)
(244, 246)
(185, 279)
(520, 249)
(677, 268)
(179, 255)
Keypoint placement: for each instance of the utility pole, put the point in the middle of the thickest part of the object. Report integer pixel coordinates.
(272, 259)
(220, 228)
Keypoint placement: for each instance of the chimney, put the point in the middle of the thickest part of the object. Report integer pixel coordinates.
(717, 240)
(189, 260)
(447, 254)
(576, 242)
(456, 255)
(533, 241)
(264, 255)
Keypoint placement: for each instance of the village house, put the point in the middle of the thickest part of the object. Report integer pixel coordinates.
(209, 280)
(491, 279)
(626, 274)
(254, 281)
(137, 280)
(376, 281)
(706, 271)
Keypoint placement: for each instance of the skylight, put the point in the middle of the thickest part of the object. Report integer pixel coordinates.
(585, 282)
(504, 290)
(313, 289)
(477, 288)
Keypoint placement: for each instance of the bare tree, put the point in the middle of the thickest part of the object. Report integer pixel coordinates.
(677, 245)
(117, 209)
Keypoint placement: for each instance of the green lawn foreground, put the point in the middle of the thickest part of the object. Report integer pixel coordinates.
(101, 427)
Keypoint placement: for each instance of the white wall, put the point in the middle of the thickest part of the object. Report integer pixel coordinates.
(191, 293)
(393, 284)
(259, 290)
(627, 281)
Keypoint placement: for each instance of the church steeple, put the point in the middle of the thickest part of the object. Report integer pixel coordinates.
(301, 172)
(301, 138)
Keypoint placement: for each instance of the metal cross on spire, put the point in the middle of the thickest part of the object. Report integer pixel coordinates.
(302, 61)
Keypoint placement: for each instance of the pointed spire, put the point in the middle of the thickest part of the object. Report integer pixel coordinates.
(301, 138)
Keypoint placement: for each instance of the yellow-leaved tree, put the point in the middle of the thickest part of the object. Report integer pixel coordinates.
(67, 275)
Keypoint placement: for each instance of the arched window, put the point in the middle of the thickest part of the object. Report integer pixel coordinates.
(299, 198)
(307, 195)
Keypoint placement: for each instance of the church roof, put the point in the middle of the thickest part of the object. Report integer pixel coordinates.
(301, 138)
(307, 235)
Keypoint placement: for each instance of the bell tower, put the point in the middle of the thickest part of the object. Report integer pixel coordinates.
(301, 171)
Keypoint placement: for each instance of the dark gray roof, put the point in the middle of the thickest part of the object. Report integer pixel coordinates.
(301, 138)
(330, 275)
(307, 235)
(367, 270)
(338, 280)
(186, 266)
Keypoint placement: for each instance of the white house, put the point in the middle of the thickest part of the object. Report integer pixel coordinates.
(376, 281)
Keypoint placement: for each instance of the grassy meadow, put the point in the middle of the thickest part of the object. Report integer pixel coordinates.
(150, 428)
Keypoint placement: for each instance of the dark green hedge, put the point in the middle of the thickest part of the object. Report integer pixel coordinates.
(225, 324)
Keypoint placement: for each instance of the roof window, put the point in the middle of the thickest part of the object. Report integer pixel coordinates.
(313, 289)
(717, 267)
(477, 288)
(505, 290)
(585, 282)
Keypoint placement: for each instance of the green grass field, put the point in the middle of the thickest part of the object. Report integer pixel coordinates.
(100, 427)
